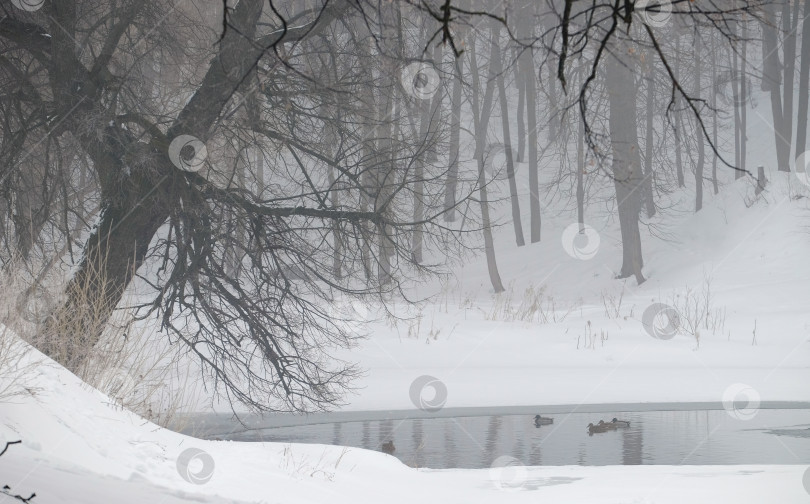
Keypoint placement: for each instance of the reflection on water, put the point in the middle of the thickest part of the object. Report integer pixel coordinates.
(657, 437)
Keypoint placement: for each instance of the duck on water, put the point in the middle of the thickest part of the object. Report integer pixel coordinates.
(539, 420)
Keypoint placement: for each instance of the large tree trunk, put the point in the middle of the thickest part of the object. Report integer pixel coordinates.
(112, 255)
(627, 170)
(135, 203)
(804, 80)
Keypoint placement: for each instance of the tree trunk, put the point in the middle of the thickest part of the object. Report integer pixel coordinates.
(436, 107)
(744, 91)
(455, 137)
(113, 252)
(789, 27)
(581, 175)
(520, 82)
(134, 203)
(648, 139)
(737, 101)
(426, 131)
(714, 115)
(771, 82)
(507, 142)
(627, 170)
(527, 69)
(368, 100)
(678, 120)
(384, 172)
(804, 79)
(701, 141)
(481, 114)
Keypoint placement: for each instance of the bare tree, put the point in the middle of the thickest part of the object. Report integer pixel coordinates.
(482, 110)
(239, 257)
(126, 111)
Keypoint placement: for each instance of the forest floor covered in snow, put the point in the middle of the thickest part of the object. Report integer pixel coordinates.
(583, 342)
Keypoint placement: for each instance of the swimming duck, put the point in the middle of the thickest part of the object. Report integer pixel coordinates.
(620, 423)
(607, 425)
(538, 421)
(388, 447)
(598, 428)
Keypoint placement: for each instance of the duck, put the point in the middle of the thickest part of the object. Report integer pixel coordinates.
(598, 428)
(620, 423)
(388, 447)
(539, 420)
(608, 425)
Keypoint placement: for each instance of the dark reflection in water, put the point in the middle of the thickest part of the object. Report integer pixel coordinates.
(490, 453)
(632, 446)
(450, 444)
(418, 447)
(366, 435)
(337, 433)
(773, 436)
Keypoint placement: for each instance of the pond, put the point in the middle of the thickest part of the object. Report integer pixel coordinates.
(660, 437)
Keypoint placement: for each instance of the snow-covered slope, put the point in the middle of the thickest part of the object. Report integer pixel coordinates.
(753, 257)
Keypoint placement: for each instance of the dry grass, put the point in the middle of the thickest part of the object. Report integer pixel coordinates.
(17, 367)
(697, 313)
(141, 373)
(533, 306)
(135, 370)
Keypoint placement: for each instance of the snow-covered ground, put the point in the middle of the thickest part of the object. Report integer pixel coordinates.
(754, 260)
(78, 447)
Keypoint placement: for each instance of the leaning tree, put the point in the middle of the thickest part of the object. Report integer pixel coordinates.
(243, 165)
